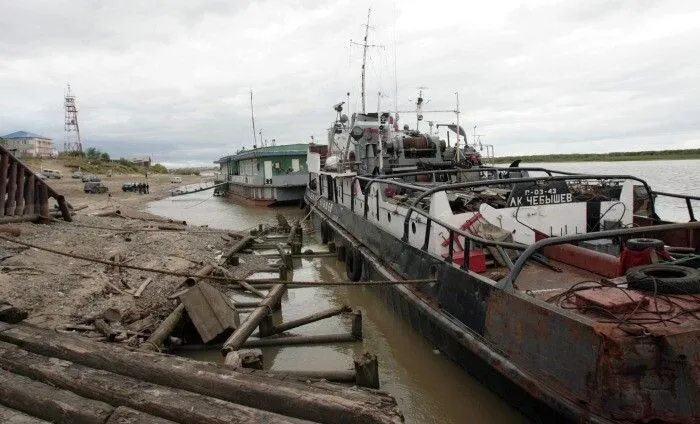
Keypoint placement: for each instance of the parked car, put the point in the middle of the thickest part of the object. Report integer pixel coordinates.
(175, 180)
(95, 187)
(40, 175)
(92, 178)
(77, 174)
(129, 187)
(50, 173)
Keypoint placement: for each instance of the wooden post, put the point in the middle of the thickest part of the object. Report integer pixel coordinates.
(296, 248)
(367, 370)
(267, 326)
(233, 260)
(331, 246)
(4, 165)
(44, 199)
(280, 328)
(356, 329)
(11, 189)
(164, 329)
(283, 273)
(235, 341)
(19, 197)
(300, 233)
(29, 196)
(286, 257)
(63, 206)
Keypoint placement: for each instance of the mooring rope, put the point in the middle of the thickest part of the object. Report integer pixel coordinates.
(213, 277)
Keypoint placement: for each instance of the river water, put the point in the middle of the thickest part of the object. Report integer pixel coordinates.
(428, 387)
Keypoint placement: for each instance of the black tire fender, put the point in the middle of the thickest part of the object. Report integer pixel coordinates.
(340, 252)
(644, 243)
(353, 264)
(325, 232)
(664, 278)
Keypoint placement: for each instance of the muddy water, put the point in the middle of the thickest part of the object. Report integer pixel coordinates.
(428, 387)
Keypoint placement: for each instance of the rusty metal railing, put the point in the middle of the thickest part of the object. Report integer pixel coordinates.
(24, 193)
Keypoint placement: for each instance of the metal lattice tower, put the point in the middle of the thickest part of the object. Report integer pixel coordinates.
(72, 141)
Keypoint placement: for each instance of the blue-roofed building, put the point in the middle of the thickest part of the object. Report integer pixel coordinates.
(25, 143)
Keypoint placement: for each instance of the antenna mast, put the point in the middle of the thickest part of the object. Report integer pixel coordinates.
(72, 141)
(252, 117)
(364, 59)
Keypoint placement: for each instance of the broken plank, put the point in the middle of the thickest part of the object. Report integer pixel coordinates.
(211, 312)
(142, 287)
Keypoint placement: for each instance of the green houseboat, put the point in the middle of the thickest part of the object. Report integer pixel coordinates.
(266, 176)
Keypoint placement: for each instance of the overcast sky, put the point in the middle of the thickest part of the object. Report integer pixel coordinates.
(172, 78)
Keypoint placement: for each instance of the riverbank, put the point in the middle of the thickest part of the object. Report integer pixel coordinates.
(606, 157)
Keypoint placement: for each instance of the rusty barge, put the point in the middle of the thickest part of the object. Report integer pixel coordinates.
(564, 293)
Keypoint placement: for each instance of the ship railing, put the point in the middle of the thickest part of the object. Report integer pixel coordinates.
(487, 169)
(507, 283)
(688, 201)
(452, 230)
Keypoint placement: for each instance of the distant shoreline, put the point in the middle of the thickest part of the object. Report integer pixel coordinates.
(607, 157)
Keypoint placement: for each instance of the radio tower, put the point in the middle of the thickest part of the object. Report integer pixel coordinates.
(72, 141)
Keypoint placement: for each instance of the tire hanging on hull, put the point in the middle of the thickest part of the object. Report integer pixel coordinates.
(353, 264)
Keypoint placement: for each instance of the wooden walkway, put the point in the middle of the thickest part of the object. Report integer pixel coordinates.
(23, 194)
(54, 377)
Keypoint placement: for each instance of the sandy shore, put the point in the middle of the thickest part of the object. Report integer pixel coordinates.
(57, 290)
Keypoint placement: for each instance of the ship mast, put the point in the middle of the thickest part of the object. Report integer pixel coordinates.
(252, 117)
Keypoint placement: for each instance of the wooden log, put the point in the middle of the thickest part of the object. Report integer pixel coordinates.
(142, 287)
(243, 284)
(300, 340)
(286, 257)
(340, 376)
(11, 416)
(104, 328)
(285, 326)
(10, 314)
(245, 358)
(315, 402)
(115, 389)
(204, 272)
(125, 415)
(50, 403)
(19, 197)
(4, 167)
(11, 189)
(16, 219)
(367, 370)
(155, 342)
(236, 248)
(29, 196)
(235, 341)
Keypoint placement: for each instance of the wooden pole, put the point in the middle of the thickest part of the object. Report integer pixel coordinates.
(44, 202)
(319, 403)
(235, 341)
(11, 189)
(142, 287)
(236, 248)
(23, 218)
(300, 340)
(63, 206)
(201, 274)
(164, 329)
(115, 389)
(19, 197)
(4, 165)
(29, 195)
(341, 376)
(280, 328)
(356, 329)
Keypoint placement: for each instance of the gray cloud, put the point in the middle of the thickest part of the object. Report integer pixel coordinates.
(172, 78)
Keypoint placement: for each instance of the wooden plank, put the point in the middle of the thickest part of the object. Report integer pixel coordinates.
(125, 415)
(210, 311)
(118, 390)
(11, 416)
(50, 403)
(316, 402)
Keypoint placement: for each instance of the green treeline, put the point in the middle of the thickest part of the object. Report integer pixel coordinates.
(608, 157)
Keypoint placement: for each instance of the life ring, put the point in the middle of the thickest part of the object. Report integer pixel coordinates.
(664, 278)
(353, 264)
(638, 244)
